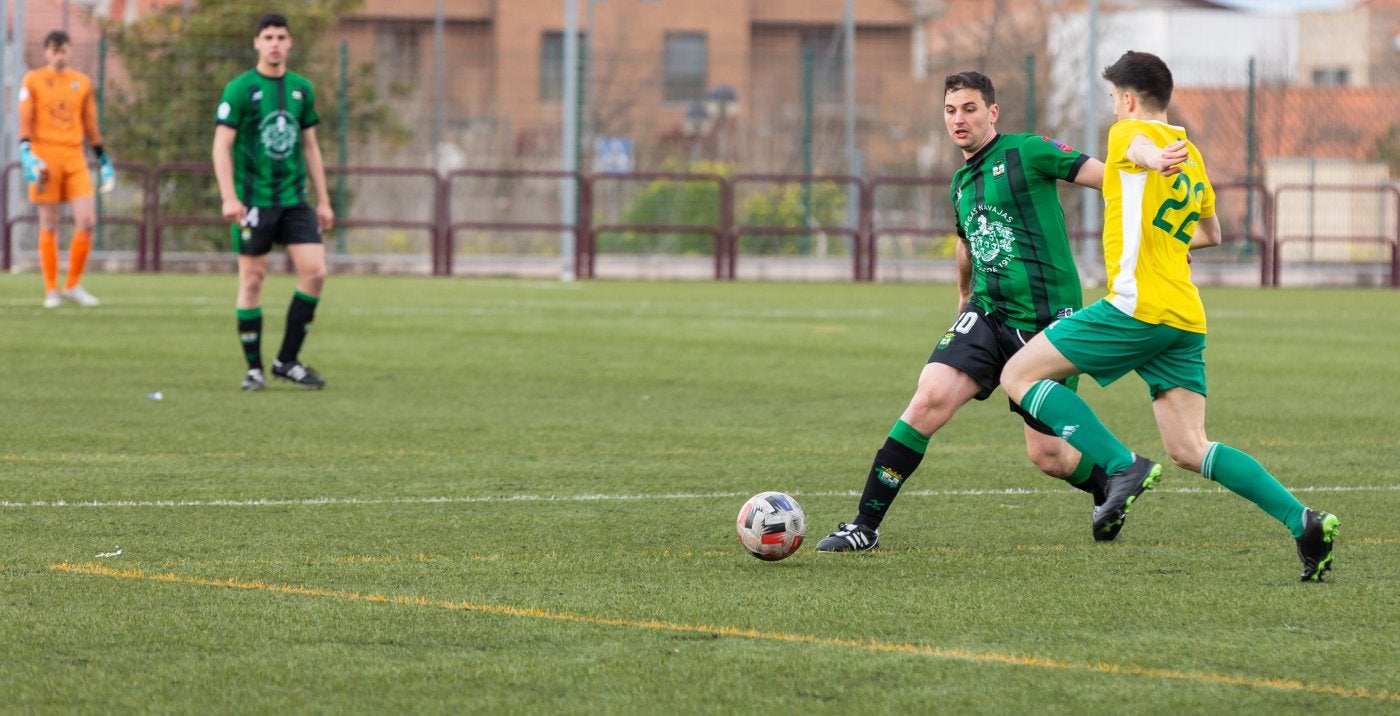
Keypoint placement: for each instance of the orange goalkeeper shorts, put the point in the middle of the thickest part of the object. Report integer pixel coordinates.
(68, 175)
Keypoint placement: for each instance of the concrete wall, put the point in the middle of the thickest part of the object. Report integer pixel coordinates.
(1351, 217)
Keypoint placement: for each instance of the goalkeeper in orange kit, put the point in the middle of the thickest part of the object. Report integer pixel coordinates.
(56, 113)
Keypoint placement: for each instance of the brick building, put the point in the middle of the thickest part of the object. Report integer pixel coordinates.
(1356, 46)
(647, 63)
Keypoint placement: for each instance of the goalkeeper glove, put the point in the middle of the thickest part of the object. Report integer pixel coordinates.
(33, 167)
(106, 175)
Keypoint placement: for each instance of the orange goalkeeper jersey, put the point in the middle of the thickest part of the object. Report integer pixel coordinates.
(57, 109)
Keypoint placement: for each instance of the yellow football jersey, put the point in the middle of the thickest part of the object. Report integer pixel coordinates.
(1147, 226)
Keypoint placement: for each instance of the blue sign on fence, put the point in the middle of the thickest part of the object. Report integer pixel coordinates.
(612, 154)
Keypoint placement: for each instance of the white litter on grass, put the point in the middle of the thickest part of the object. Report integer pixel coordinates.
(155, 396)
(117, 553)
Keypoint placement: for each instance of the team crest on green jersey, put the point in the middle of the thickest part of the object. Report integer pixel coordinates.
(278, 132)
(992, 240)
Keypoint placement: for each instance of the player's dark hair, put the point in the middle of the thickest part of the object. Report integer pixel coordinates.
(56, 38)
(272, 19)
(973, 81)
(1145, 74)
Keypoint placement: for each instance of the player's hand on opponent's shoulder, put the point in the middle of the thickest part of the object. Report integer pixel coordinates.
(1164, 160)
(1170, 158)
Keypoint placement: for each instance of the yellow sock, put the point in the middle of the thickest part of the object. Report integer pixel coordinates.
(77, 256)
(48, 258)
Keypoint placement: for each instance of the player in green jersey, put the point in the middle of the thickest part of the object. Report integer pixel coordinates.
(1016, 275)
(264, 151)
(1153, 322)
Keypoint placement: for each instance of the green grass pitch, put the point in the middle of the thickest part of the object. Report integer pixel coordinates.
(518, 497)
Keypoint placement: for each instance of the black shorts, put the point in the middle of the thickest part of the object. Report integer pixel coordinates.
(284, 225)
(980, 344)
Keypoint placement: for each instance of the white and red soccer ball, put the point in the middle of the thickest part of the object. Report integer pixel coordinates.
(771, 526)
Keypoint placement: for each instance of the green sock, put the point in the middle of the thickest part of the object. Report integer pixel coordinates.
(1244, 476)
(1083, 471)
(1060, 408)
(1090, 478)
(907, 436)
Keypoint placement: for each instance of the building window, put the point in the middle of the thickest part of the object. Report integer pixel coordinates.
(1331, 77)
(397, 46)
(827, 50)
(687, 67)
(552, 64)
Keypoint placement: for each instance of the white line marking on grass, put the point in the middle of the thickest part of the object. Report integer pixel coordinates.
(353, 501)
(129, 301)
(914, 649)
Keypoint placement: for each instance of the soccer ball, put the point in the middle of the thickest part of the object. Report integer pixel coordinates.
(771, 526)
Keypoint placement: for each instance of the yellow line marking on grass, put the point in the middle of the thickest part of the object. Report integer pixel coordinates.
(531, 557)
(1376, 540)
(382, 559)
(1102, 667)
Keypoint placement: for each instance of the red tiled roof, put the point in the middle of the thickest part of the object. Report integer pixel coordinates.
(1288, 123)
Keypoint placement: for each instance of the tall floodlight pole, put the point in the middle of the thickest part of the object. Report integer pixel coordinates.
(1092, 202)
(16, 66)
(5, 93)
(1251, 155)
(568, 144)
(586, 91)
(852, 155)
(17, 47)
(439, 79)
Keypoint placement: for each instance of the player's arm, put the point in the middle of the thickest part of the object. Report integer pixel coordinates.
(1090, 174)
(31, 165)
(1164, 160)
(26, 111)
(107, 176)
(1207, 233)
(964, 273)
(91, 131)
(233, 208)
(316, 170)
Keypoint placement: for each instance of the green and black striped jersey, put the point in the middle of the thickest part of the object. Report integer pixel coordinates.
(269, 113)
(1008, 207)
